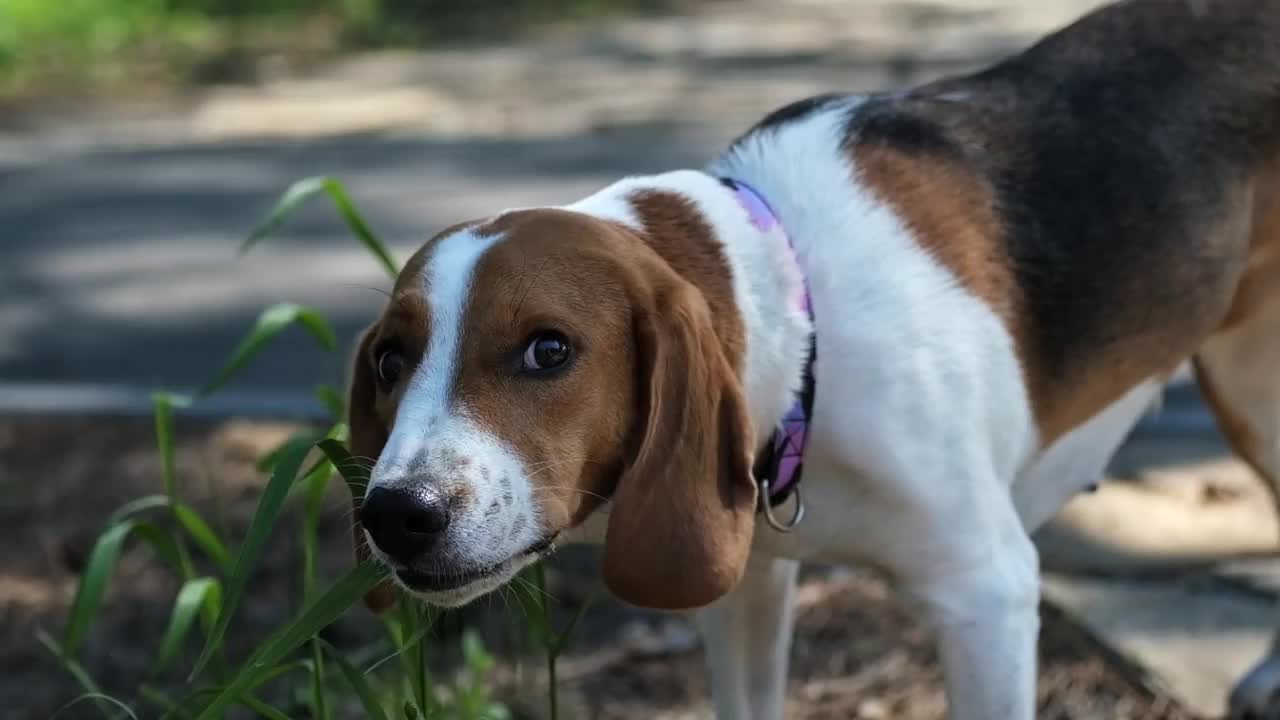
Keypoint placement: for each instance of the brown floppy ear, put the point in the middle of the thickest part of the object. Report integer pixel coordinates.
(683, 513)
(368, 436)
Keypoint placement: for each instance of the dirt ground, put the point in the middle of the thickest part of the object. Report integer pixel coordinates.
(859, 652)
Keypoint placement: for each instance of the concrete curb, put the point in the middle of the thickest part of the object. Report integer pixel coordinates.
(73, 398)
(37, 398)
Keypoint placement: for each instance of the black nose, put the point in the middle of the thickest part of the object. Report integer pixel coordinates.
(404, 523)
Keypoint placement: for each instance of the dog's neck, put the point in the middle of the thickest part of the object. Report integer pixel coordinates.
(765, 276)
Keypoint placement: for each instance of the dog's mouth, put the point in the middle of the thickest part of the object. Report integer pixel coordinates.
(446, 581)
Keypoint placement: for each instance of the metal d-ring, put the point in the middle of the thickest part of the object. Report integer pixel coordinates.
(766, 507)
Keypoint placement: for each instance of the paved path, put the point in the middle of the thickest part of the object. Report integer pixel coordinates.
(118, 270)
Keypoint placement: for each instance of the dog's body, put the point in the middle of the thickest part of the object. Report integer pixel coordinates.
(1004, 269)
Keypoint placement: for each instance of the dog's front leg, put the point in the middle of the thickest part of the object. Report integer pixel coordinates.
(985, 611)
(747, 635)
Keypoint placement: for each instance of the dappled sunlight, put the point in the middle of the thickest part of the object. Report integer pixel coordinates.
(121, 219)
(166, 284)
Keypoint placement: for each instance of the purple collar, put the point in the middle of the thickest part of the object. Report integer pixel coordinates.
(780, 463)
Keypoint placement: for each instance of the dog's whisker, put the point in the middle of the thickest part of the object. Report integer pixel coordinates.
(552, 465)
(564, 488)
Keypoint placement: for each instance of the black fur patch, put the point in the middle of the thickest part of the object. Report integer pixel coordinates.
(1114, 170)
(792, 112)
(880, 121)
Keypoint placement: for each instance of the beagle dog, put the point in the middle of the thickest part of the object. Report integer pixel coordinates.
(976, 287)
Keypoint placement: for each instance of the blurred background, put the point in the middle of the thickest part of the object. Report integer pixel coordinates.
(142, 140)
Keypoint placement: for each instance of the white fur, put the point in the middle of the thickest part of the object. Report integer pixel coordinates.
(921, 421)
(924, 455)
(1079, 458)
(748, 640)
(777, 329)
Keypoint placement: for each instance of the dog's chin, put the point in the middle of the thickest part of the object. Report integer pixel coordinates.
(459, 586)
(464, 588)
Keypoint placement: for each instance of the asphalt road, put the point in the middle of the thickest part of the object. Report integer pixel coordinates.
(119, 269)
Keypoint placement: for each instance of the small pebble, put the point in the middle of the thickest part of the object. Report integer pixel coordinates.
(872, 710)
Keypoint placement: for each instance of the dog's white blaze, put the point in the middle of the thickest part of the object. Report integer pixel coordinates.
(446, 278)
(433, 429)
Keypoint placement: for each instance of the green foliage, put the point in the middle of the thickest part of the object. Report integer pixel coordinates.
(273, 321)
(304, 190)
(76, 43)
(214, 584)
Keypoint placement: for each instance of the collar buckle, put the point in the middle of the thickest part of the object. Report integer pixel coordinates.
(766, 507)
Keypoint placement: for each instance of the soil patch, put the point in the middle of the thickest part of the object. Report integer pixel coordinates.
(859, 653)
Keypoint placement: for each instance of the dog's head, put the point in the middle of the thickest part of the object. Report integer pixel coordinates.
(528, 370)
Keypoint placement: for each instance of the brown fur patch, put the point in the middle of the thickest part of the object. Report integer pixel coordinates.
(676, 230)
(1259, 284)
(555, 271)
(951, 212)
(1255, 297)
(648, 411)
(1234, 425)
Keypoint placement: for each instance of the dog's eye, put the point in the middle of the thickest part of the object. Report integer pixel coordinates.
(547, 351)
(390, 365)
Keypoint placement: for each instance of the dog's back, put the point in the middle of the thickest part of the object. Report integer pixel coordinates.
(1112, 194)
(1127, 162)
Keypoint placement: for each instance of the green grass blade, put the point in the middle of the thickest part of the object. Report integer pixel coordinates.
(319, 703)
(373, 710)
(93, 582)
(162, 701)
(204, 536)
(98, 698)
(320, 471)
(341, 432)
(474, 654)
(195, 595)
(268, 461)
(530, 595)
(328, 607)
(423, 615)
(101, 566)
(403, 644)
(74, 669)
(260, 527)
(262, 709)
(332, 401)
(302, 191)
(162, 541)
(273, 321)
(314, 485)
(293, 198)
(137, 507)
(163, 404)
(358, 226)
(190, 703)
(562, 640)
(354, 472)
